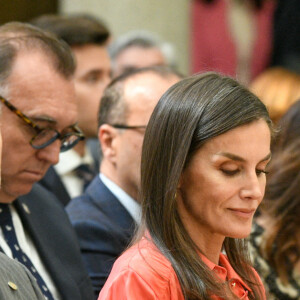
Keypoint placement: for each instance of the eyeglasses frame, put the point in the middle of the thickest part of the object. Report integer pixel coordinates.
(39, 129)
(122, 126)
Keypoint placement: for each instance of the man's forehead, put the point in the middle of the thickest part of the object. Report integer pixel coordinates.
(148, 84)
(34, 64)
(37, 89)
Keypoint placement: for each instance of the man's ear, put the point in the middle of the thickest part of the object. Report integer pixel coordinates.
(107, 138)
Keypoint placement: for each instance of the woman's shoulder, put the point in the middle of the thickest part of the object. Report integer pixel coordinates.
(145, 258)
(143, 268)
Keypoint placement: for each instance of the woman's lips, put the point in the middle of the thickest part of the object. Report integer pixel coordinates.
(243, 212)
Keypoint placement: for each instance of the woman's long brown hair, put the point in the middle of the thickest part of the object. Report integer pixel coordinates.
(191, 112)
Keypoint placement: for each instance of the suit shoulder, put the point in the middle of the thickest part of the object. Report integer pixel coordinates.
(45, 196)
(14, 274)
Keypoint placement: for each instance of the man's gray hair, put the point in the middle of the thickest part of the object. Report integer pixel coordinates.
(16, 37)
(143, 39)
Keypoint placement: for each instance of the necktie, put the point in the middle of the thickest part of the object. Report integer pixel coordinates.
(86, 173)
(11, 239)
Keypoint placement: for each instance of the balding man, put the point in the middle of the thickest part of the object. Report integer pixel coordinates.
(105, 216)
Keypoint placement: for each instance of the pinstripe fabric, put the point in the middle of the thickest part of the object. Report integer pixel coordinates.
(12, 271)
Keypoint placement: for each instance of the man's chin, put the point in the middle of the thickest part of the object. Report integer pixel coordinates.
(10, 193)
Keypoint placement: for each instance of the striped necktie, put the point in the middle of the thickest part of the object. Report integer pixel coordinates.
(86, 173)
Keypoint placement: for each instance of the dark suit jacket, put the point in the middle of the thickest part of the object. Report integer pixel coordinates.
(46, 222)
(52, 182)
(16, 273)
(104, 228)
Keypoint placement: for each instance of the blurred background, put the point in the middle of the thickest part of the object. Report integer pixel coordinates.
(168, 18)
(240, 38)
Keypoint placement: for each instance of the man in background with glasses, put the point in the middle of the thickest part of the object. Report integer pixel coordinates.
(39, 120)
(105, 216)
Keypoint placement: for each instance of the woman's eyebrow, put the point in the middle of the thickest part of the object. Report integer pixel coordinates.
(231, 156)
(238, 158)
(268, 157)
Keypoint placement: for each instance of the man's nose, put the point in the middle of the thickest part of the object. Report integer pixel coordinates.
(50, 153)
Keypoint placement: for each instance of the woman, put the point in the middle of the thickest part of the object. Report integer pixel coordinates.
(275, 240)
(204, 156)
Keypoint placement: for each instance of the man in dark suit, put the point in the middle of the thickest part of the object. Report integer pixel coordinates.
(105, 216)
(88, 39)
(39, 116)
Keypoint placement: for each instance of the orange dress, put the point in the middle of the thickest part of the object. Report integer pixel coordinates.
(142, 272)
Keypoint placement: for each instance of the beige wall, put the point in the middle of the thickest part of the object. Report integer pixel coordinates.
(168, 18)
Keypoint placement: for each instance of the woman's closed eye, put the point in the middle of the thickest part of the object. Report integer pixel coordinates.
(260, 172)
(230, 172)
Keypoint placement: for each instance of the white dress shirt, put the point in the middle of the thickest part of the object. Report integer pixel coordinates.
(68, 162)
(132, 206)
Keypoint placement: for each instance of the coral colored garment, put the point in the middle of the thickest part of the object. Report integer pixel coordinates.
(212, 45)
(142, 272)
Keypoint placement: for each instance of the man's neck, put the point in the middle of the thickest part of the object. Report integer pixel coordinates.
(109, 170)
(5, 198)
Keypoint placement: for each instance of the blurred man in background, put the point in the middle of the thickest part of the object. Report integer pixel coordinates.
(88, 38)
(105, 216)
(138, 49)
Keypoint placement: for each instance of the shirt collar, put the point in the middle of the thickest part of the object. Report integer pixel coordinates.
(132, 206)
(226, 272)
(70, 160)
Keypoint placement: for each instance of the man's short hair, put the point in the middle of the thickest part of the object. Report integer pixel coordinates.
(142, 39)
(16, 37)
(75, 30)
(113, 107)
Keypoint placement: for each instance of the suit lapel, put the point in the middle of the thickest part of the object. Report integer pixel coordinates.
(110, 205)
(52, 182)
(35, 214)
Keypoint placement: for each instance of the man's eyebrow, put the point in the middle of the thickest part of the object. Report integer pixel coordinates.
(44, 119)
(94, 71)
(238, 158)
(51, 121)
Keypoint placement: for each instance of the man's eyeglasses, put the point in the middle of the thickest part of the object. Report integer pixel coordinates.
(46, 136)
(121, 126)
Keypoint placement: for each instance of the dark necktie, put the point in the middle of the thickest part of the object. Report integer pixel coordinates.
(86, 173)
(11, 239)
